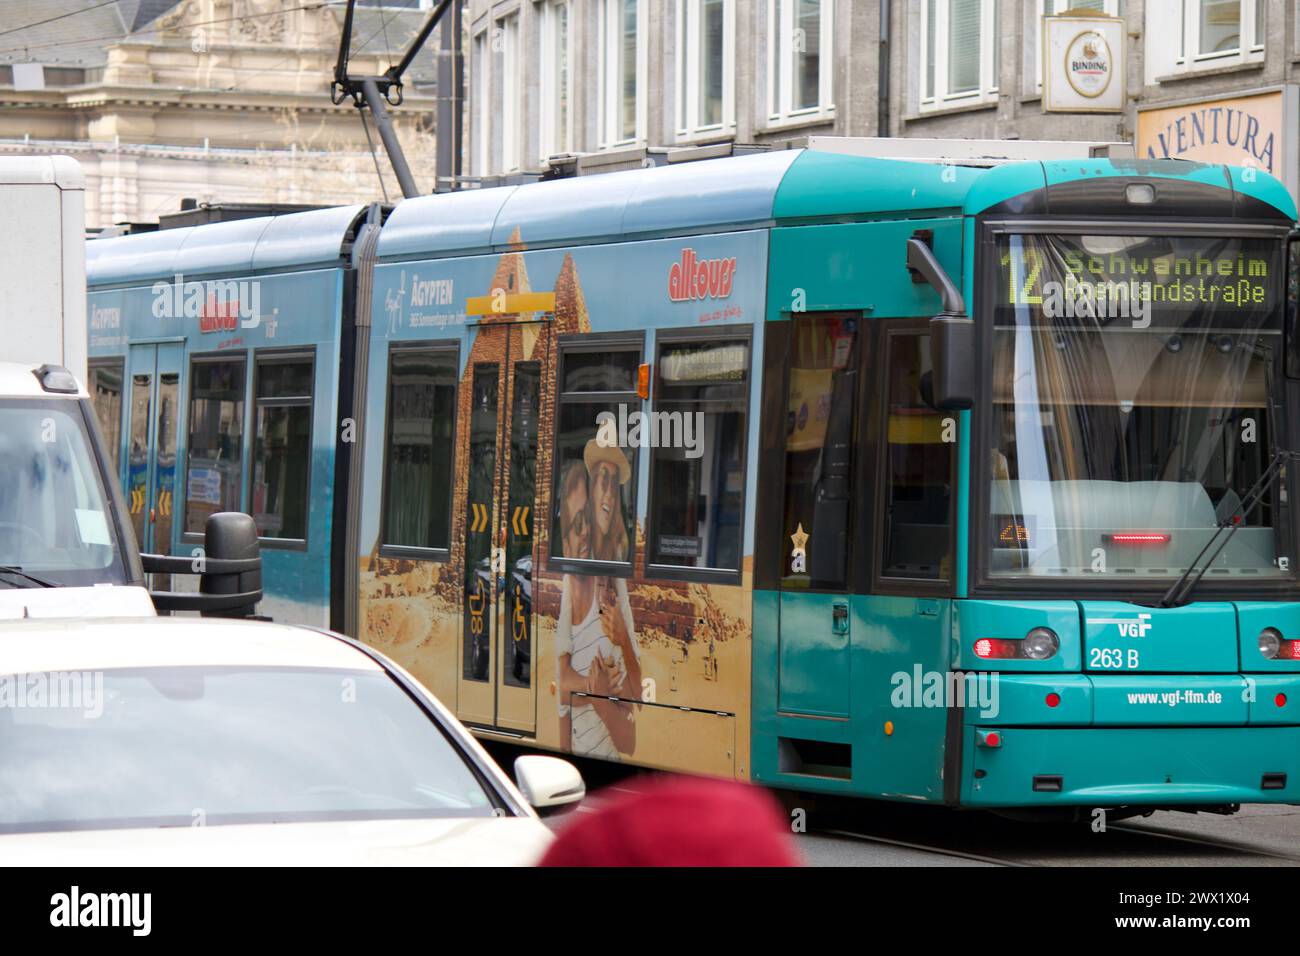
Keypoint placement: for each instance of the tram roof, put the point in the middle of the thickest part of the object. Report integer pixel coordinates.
(782, 186)
(799, 185)
(294, 241)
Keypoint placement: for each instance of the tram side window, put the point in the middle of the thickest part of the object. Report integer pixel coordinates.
(214, 452)
(918, 467)
(821, 402)
(106, 394)
(282, 446)
(697, 466)
(595, 466)
(420, 451)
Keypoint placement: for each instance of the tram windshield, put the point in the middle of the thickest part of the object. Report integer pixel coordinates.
(1131, 413)
(56, 523)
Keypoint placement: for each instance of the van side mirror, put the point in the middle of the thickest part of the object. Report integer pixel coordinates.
(952, 333)
(231, 536)
(229, 570)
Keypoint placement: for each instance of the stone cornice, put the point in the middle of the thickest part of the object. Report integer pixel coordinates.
(136, 97)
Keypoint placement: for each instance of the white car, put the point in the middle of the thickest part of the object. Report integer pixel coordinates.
(184, 741)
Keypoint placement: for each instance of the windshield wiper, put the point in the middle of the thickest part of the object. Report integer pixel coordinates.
(1180, 591)
(19, 572)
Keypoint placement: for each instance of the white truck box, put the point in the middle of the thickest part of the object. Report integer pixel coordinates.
(43, 262)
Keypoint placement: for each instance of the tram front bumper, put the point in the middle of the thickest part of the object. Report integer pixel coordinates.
(1110, 740)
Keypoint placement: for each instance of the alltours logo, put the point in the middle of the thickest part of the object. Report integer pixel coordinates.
(696, 278)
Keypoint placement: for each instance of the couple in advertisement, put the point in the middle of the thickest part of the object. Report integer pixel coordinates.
(595, 640)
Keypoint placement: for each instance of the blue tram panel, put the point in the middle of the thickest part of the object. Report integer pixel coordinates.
(255, 318)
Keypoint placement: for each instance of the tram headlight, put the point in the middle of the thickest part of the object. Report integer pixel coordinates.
(1040, 644)
(1270, 642)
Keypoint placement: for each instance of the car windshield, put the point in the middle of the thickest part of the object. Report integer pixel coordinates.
(1131, 406)
(188, 746)
(55, 520)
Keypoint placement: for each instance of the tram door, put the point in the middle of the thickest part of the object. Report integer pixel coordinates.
(153, 423)
(497, 686)
(822, 388)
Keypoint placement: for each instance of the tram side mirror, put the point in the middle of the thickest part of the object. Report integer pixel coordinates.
(952, 356)
(952, 333)
(232, 536)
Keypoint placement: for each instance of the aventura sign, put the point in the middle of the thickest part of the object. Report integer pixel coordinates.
(1255, 129)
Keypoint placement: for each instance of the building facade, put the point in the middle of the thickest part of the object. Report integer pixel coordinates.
(556, 76)
(220, 101)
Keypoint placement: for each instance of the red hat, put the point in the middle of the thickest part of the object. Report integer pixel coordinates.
(679, 821)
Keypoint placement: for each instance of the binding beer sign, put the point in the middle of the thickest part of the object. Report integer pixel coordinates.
(1083, 63)
(1256, 129)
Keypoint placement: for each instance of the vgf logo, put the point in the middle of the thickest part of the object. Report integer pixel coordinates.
(1129, 626)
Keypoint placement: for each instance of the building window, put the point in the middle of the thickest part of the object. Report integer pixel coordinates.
(510, 94)
(1206, 34)
(706, 47)
(697, 467)
(595, 461)
(959, 53)
(482, 106)
(215, 450)
(800, 59)
(917, 467)
(420, 448)
(105, 387)
(1218, 28)
(557, 79)
(1052, 8)
(622, 72)
(282, 446)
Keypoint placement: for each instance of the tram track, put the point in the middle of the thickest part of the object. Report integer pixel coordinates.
(1144, 833)
(1197, 840)
(924, 848)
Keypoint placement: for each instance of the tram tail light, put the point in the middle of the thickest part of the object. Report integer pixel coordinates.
(1039, 644)
(996, 648)
(989, 738)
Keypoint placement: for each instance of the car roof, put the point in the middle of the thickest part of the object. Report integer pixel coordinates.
(17, 380)
(77, 645)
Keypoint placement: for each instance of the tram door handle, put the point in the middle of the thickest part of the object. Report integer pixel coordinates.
(840, 617)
